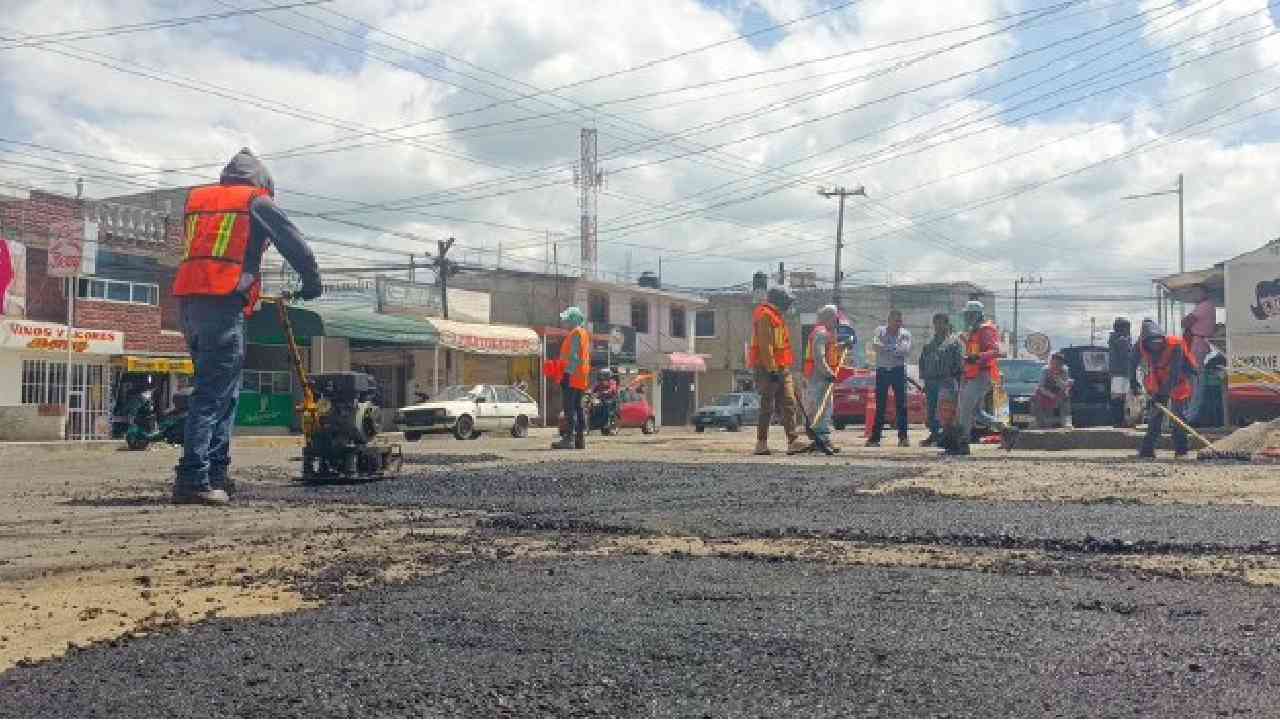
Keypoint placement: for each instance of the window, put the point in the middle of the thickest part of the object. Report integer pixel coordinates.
(118, 291)
(704, 323)
(507, 394)
(679, 327)
(43, 382)
(598, 307)
(268, 382)
(640, 316)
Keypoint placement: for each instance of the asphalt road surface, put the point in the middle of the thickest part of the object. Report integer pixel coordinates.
(650, 586)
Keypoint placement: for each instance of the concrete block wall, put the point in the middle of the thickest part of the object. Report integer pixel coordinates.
(141, 325)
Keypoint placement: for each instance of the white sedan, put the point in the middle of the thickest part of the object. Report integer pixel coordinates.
(468, 410)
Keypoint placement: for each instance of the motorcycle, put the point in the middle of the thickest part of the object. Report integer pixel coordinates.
(603, 414)
(148, 425)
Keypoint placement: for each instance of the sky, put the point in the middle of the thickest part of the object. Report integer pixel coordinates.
(995, 139)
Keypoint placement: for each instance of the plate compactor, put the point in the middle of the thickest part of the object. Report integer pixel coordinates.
(340, 422)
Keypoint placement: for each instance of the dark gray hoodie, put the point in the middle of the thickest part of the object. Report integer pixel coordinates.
(269, 224)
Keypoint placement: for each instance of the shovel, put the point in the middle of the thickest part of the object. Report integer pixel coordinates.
(820, 443)
(1207, 452)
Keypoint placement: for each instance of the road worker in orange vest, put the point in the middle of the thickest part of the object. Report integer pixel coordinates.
(1168, 366)
(575, 354)
(771, 358)
(981, 372)
(227, 227)
(821, 366)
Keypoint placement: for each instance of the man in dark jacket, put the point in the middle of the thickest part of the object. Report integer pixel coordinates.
(216, 284)
(941, 367)
(1120, 361)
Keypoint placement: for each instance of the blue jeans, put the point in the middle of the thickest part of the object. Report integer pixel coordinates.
(887, 378)
(1155, 423)
(932, 391)
(574, 413)
(817, 391)
(214, 329)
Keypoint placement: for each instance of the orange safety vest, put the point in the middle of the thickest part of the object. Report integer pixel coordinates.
(973, 346)
(1158, 373)
(217, 241)
(582, 378)
(833, 352)
(782, 355)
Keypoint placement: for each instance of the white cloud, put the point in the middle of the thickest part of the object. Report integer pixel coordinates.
(85, 107)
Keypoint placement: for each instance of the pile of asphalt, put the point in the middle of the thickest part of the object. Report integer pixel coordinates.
(1248, 441)
(705, 637)
(772, 501)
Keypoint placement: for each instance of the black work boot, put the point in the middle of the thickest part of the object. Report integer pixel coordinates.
(580, 441)
(564, 443)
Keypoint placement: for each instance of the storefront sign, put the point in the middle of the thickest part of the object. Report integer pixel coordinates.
(487, 345)
(13, 278)
(1253, 292)
(25, 335)
(133, 363)
(400, 297)
(66, 254)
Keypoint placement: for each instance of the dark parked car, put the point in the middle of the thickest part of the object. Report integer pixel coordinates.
(1091, 388)
(730, 411)
(1021, 377)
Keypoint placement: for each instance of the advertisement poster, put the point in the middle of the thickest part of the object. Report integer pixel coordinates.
(13, 278)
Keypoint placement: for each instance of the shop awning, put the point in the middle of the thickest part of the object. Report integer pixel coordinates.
(486, 339)
(1181, 286)
(358, 326)
(685, 362)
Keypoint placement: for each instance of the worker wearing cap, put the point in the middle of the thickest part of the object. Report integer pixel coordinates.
(772, 357)
(821, 366)
(1168, 366)
(981, 372)
(575, 354)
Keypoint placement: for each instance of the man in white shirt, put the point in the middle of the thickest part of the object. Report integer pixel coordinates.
(893, 345)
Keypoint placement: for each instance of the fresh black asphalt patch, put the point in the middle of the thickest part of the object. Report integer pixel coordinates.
(707, 637)
(771, 500)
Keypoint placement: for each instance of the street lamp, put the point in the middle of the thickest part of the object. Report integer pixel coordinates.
(1182, 246)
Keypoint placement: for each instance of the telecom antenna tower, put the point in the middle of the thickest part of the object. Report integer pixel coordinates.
(588, 177)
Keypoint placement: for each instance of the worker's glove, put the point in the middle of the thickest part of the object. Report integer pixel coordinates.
(775, 376)
(311, 288)
(1162, 399)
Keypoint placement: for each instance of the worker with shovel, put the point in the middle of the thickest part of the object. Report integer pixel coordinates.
(821, 367)
(1169, 365)
(772, 357)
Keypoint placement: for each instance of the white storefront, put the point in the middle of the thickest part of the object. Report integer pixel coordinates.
(35, 395)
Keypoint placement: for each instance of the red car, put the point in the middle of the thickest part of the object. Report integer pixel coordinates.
(636, 412)
(856, 389)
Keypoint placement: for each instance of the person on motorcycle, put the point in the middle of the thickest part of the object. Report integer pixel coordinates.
(606, 387)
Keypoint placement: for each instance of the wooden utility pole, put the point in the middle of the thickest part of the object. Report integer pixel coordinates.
(1013, 342)
(444, 268)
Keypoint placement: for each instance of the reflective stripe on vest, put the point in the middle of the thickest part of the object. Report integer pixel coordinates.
(581, 377)
(1158, 374)
(973, 346)
(833, 353)
(782, 355)
(217, 240)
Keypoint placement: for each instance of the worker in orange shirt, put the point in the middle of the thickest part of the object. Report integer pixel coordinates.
(575, 354)
(772, 357)
(1168, 365)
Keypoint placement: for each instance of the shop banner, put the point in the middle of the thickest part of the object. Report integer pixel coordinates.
(66, 254)
(26, 335)
(1253, 292)
(13, 278)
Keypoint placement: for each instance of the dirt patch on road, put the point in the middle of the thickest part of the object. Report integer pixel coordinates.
(1189, 482)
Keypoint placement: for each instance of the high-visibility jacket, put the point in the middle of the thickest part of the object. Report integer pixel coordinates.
(832, 351)
(985, 343)
(217, 241)
(579, 375)
(780, 342)
(1160, 368)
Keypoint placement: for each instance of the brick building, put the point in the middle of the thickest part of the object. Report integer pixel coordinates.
(124, 316)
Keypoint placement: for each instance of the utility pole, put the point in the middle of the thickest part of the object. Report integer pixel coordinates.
(1093, 328)
(444, 268)
(842, 193)
(1013, 342)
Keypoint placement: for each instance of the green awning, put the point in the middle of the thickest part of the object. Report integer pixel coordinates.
(371, 327)
(358, 326)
